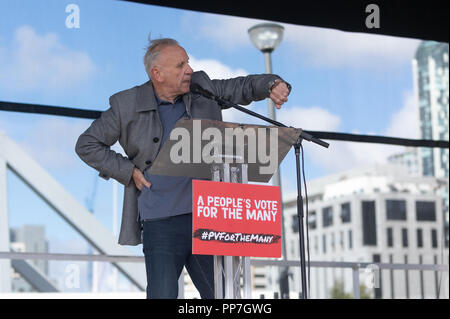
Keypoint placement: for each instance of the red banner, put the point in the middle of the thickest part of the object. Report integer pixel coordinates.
(233, 219)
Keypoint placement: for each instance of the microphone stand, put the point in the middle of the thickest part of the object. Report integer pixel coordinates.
(297, 146)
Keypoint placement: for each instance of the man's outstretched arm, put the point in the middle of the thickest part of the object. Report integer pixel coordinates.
(246, 89)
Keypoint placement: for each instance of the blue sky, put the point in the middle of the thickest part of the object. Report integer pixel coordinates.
(345, 82)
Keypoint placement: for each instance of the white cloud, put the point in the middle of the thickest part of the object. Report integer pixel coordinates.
(230, 33)
(51, 142)
(236, 116)
(318, 46)
(334, 48)
(40, 62)
(405, 122)
(215, 69)
(346, 155)
(340, 155)
(308, 118)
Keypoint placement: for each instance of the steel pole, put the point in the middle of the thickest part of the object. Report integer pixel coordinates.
(276, 180)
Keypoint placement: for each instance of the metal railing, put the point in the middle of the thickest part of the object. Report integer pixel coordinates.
(354, 266)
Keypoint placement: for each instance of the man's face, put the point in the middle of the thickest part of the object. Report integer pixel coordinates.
(174, 70)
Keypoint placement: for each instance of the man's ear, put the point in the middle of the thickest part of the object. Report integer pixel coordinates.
(157, 74)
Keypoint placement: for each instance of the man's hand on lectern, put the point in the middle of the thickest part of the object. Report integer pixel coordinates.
(139, 179)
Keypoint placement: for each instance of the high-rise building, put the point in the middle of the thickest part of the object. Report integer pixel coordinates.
(431, 87)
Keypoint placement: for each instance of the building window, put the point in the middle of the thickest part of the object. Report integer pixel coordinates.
(327, 216)
(346, 216)
(446, 232)
(341, 240)
(333, 245)
(419, 238)
(350, 240)
(324, 244)
(295, 223)
(434, 240)
(390, 239)
(395, 209)
(312, 220)
(425, 211)
(404, 237)
(369, 223)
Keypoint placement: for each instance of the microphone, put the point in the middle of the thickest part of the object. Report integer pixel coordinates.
(196, 88)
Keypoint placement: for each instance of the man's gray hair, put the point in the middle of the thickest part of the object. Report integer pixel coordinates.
(153, 51)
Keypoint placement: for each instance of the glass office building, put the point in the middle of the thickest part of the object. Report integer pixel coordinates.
(431, 79)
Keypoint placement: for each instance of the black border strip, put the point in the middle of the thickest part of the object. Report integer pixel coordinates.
(49, 110)
(92, 114)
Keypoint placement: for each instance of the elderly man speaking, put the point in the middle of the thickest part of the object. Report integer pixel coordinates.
(157, 210)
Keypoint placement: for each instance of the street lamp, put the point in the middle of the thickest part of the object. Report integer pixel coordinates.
(266, 37)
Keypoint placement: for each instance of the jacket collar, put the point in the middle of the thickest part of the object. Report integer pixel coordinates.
(146, 101)
(145, 98)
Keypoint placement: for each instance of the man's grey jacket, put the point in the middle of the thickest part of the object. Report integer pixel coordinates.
(133, 120)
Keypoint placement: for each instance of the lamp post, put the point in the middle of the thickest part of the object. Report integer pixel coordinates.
(266, 37)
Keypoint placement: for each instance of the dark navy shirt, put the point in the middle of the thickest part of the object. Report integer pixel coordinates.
(167, 195)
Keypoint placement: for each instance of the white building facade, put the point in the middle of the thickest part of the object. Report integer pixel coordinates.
(377, 215)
